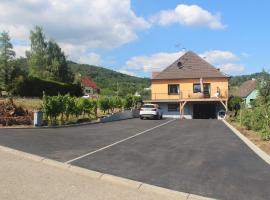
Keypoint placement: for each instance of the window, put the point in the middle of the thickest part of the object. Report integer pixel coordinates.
(196, 87)
(148, 106)
(173, 107)
(173, 89)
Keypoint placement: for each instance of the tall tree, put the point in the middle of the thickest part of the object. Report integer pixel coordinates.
(7, 56)
(46, 59)
(56, 63)
(37, 55)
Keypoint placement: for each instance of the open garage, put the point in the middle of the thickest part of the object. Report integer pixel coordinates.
(204, 110)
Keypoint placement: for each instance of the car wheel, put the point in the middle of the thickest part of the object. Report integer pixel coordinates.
(141, 117)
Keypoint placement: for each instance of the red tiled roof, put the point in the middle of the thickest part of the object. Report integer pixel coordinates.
(88, 82)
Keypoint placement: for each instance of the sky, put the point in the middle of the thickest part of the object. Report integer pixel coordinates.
(138, 37)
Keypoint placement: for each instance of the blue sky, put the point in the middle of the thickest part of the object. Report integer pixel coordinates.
(139, 36)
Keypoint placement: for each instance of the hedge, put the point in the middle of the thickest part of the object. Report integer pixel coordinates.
(34, 87)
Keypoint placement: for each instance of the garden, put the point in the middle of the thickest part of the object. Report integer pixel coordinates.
(63, 109)
(253, 121)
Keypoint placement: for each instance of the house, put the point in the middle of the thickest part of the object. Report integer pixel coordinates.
(190, 88)
(247, 91)
(89, 86)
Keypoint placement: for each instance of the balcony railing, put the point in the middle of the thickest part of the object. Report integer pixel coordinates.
(189, 95)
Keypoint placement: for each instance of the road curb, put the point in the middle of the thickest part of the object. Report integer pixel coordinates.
(163, 191)
(54, 127)
(22, 154)
(250, 144)
(121, 181)
(141, 187)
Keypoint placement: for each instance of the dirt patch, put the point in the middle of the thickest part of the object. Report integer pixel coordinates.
(253, 137)
(11, 114)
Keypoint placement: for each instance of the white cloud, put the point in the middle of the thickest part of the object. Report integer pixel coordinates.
(90, 58)
(154, 62)
(190, 15)
(125, 71)
(232, 68)
(159, 61)
(20, 50)
(95, 24)
(80, 54)
(217, 56)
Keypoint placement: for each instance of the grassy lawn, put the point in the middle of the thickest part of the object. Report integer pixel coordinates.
(28, 103)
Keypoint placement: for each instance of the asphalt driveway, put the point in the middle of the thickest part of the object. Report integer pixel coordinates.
(197, 156)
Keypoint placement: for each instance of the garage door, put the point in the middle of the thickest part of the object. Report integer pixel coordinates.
(204, 111)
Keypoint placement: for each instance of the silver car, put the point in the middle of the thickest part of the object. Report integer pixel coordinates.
(151, 111)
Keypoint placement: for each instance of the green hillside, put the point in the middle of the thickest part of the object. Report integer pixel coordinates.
(111, 82)
(238, 80)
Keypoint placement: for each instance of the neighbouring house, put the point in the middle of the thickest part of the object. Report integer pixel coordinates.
(190, 88)
(89, 86)
(247, 91)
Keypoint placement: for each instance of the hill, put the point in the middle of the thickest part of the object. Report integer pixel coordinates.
(238, 80)
(111, 82)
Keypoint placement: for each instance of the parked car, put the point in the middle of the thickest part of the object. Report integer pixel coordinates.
(150, 111)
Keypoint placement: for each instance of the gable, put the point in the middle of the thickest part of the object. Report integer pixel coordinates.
(190, 66)
(246, 88)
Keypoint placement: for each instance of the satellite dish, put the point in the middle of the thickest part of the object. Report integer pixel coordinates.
(179, 65)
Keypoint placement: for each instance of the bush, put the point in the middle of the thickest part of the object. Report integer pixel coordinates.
(128, 102)
(104, 104)
(234, 103)
(53, 107)
(84, 106)
(115, 102)
(69, 106)
(34, 87)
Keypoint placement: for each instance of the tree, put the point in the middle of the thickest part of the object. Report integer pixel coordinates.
(46, 59)
(56, 63)
(37, 55)
(264, 87)
(7, 56)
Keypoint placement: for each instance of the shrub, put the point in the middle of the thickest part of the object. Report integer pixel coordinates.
(69, 106)
(94, 103)
(115, 102)
(104, 104)
(84, 106)
(265, 133)
(52, 107)
(234, 103)
(128, 102)
(34, 87)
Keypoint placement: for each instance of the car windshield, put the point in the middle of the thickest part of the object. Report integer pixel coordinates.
(148, 106)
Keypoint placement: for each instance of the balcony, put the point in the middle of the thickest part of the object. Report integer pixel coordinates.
(189, 96)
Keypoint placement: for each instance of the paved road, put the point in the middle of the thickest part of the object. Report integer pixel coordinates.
(196, 156)
(63, 144)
